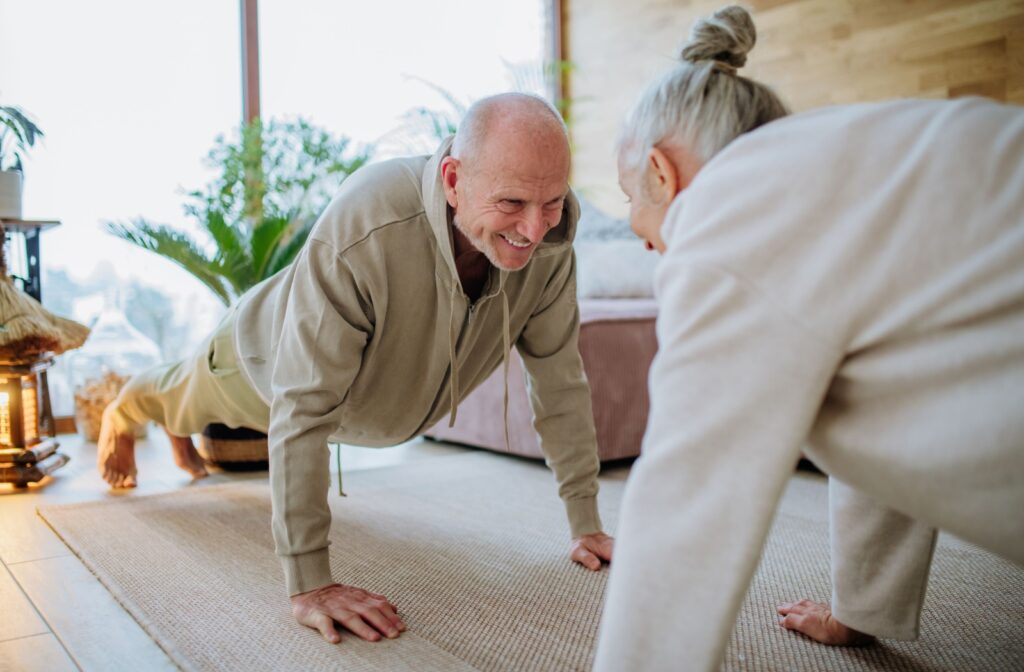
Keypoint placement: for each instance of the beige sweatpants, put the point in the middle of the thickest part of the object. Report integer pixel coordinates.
(880, 563)
(187, 395)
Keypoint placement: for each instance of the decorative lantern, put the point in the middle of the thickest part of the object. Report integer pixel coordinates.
(28, 444)
(30, 337)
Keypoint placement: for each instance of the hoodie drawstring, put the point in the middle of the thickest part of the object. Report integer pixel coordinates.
(506, 347)
(451, 356)
(341, 491)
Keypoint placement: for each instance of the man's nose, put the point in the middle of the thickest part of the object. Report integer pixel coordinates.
(533, 226)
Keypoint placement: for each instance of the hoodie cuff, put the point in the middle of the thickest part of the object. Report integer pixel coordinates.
(583, 516)
(306, 572)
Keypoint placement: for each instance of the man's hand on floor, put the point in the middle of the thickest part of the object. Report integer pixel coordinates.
(367, 614)
(590, 549)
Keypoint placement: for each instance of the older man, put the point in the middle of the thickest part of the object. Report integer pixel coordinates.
(414, 284)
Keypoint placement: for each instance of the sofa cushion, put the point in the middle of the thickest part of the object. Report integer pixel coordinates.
(614, 269)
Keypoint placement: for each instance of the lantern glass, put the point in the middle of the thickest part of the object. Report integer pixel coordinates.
(28, 441)
(22, 406)
(5, 419)
(30, 409)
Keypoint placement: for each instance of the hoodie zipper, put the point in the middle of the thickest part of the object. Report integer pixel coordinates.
(466, 324)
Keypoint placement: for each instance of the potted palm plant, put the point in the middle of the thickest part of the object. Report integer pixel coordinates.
(273, 180)
(17, 135)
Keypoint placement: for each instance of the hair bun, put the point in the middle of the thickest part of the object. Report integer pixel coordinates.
(725, 36)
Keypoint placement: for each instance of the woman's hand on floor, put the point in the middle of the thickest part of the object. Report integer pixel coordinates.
(590, 549)
(815, 620)
(367, 614)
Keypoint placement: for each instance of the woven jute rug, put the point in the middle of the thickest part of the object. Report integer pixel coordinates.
(472, 548)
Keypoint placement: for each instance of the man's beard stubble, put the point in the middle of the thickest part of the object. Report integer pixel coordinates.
(486, 247)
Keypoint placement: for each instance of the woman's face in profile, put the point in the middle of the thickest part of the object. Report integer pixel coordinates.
(645, 216)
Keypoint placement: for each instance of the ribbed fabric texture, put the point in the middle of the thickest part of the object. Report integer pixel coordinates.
(473, 550)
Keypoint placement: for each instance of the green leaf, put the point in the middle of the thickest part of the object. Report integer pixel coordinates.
(273, 179)
(232, 253)
(14, 122)
(177, 247)
(266, 237)
(290, 244)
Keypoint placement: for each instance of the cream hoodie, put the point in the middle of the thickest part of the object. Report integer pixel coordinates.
(852, 276)
(355, 343)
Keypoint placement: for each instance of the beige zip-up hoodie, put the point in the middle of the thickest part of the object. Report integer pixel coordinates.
(358, 340)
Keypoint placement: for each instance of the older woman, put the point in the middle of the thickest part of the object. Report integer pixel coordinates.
(849, 282)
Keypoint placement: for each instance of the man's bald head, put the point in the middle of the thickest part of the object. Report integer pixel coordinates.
(507, 177)
(511, 122)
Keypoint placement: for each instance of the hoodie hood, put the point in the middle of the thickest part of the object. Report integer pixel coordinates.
(438, 214)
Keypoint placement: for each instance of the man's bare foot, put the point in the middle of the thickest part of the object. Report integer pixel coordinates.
(815, 620)
(186, 456)
(115, 454)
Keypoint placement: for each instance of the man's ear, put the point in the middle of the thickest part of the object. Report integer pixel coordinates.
(663, 179)
(449, 176)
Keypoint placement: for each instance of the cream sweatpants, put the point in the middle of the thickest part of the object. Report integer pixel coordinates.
(187, 395)
(880, 564)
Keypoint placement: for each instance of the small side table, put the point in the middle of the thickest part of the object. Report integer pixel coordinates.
(27, 230)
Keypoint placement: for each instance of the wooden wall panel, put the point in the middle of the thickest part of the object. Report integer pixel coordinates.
(813, 52)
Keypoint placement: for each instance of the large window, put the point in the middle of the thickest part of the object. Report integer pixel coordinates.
(131, 95)
(359, 68)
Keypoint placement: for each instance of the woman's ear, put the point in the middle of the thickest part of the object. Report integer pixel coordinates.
(669, 173)
(662, 177)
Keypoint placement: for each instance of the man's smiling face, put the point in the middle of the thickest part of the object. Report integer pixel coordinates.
(506, 212)
(509, 192)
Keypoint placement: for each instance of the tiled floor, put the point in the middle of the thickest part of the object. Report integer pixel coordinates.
(54, 614)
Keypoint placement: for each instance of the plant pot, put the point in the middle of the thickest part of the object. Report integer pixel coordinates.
(234, 449)
(10, 194)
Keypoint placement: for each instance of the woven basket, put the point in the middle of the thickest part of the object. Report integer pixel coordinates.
(228, 447)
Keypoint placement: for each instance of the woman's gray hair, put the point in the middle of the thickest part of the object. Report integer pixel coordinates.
(702, 104)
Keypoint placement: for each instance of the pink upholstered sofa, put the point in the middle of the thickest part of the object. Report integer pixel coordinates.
(617, 343)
